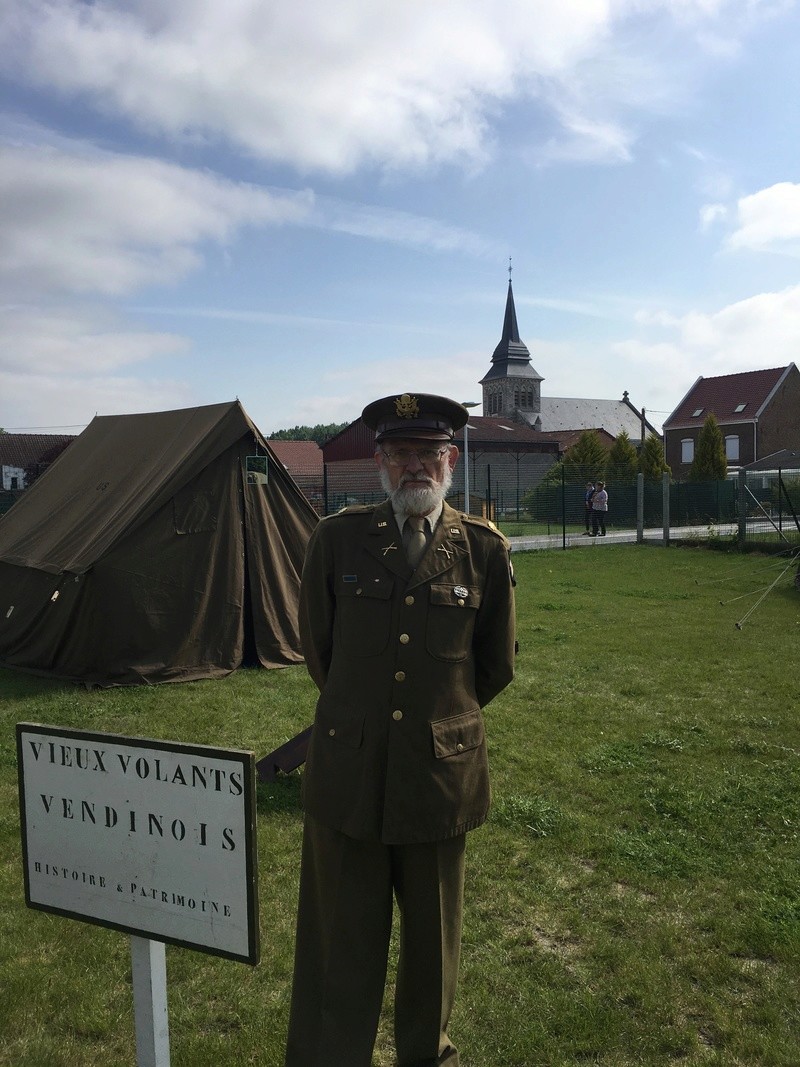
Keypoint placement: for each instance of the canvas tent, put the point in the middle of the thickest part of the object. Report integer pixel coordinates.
(146, 554)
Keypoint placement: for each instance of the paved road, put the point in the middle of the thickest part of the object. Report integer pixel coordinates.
(613, 537)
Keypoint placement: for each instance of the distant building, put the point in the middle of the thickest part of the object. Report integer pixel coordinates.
(758, 412)
(512, 389)
(23, 457)
(511, 446)
(303, 460)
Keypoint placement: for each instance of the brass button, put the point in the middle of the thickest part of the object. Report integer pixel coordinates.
(461, 603)
(459, 747)
(358, 592)
(400, 676)
(409, 600)
(404, 639)
(397, 715)
(331, 732)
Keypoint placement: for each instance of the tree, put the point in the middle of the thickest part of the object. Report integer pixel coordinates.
(319, 433)
(710, 463)
(652, 463)
(585, 460)
(623, 461)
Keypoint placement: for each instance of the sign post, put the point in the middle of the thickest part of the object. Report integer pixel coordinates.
(153, 838)
(149, 969)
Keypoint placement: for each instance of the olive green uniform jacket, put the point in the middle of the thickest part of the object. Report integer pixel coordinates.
(404, 661)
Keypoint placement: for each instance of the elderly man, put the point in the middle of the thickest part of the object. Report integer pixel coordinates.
(407, 624)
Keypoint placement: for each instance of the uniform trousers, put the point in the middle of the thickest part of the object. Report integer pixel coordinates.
(343, 928)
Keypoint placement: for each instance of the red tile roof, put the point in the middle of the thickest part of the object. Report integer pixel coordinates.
(747, 391)
(299, 457)
(24, 449)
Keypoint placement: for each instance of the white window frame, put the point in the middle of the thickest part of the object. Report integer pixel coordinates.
(687, 449)
(732, 447)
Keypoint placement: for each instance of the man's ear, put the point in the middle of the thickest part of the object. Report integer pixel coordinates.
(452, 459)
(378, 458)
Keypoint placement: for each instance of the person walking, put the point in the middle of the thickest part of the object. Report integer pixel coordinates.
(599, 510)
(407, 626)
(587, 504)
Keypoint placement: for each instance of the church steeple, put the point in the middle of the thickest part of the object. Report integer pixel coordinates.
(511, 387)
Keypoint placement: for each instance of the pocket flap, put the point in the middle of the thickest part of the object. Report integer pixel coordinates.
(459, 733)
(455, 596)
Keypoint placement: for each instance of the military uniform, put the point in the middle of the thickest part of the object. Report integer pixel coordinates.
(396, 773)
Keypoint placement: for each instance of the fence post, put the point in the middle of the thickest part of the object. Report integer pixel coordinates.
(742, 508)
(563, 507)
(639, 508)
(665, 505)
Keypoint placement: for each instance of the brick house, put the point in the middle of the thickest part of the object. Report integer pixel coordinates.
(758, 413)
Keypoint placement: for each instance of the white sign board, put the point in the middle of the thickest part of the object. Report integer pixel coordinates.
(155, 838)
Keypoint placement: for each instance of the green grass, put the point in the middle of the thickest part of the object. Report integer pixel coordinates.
(633, 899)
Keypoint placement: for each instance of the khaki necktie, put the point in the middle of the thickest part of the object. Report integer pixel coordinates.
(414, 539)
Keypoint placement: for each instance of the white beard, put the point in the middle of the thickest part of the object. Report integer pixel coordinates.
(417, 500)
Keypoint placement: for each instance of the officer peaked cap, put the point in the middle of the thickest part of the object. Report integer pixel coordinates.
(415, 415)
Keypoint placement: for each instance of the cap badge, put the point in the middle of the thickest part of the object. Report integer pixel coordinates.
(406, 407)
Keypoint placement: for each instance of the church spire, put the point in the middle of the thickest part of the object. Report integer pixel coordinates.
(510, 344)
(511, 387)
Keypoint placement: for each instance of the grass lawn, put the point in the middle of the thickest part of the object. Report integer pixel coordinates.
(634, 898)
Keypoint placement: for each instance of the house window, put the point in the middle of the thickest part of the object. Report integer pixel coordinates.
(687, 450)
(516, 398)
(739, 408)
(732, 448)
(697, 413)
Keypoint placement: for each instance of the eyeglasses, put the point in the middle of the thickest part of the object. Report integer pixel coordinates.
(401, 457)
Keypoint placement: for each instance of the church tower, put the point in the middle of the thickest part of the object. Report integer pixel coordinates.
(511, 387)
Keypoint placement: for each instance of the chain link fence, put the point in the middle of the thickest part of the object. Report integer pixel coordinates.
(531, 497)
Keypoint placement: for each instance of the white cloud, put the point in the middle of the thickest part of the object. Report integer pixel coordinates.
(769, 220)
(61, 365)
(711, 213)
(398, 227)
(334, 86)
(110, 224)
(75, 341)
(761, 331)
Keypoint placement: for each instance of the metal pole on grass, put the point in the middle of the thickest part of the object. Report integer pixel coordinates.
(742, 508)
(665, 505)
(467, 404)
(639, 508)
(563, 508)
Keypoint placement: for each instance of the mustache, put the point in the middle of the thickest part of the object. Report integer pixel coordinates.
(405, 478)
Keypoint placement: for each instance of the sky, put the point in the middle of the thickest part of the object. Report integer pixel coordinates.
(309, 205)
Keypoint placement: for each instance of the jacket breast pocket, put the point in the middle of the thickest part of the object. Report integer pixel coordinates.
(363, 616)
(451, 620)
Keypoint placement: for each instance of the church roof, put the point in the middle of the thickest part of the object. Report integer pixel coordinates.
(511, 356)
(572, 413)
